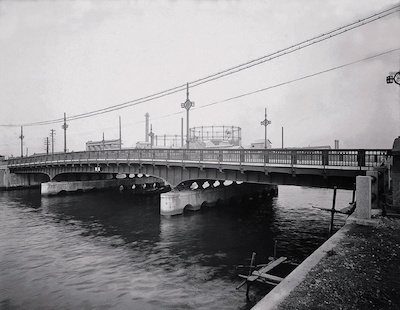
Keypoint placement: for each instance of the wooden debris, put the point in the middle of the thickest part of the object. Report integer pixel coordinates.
(261, 275)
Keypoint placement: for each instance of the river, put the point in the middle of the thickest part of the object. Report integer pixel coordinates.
(110, 250)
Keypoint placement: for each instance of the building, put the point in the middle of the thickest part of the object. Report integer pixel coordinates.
(260, 144)
(103, 145)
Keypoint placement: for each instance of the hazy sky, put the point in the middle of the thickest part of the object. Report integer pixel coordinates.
(81, 56)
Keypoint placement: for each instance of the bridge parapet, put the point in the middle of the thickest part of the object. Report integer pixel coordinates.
(363, 159)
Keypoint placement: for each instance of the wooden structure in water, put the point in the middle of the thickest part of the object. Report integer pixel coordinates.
(261, 275)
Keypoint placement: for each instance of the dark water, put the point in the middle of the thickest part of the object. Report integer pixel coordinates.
(108, 250)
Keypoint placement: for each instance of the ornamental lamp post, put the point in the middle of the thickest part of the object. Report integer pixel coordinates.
(187, 105)
(65, 126)
(265, 123)
(393, 77)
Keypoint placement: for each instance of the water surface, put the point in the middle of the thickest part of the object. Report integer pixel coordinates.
(107, 250)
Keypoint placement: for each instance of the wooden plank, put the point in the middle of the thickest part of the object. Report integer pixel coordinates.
(262, 280)
(263, 272)
(272, 265)
(270, 277)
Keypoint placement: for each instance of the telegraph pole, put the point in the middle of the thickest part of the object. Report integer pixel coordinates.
(65, 126)
(22, 141)
(52, 133)
(46, 144)
(182, 132)
(265, 123)
(146, 133)
(120, 134)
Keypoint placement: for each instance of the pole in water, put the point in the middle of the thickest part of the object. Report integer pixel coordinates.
(253, 256)
(332, 211)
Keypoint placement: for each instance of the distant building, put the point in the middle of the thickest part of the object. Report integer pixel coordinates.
(319, 147)
(143, 145)
(103, 145)
(260, 144)
(216, 136)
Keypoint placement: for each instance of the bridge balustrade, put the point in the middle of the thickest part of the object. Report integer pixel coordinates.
(343, 157)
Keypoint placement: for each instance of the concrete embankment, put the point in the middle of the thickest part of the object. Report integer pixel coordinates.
(357, 268)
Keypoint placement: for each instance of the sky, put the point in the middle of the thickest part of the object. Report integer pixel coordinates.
(76, 57)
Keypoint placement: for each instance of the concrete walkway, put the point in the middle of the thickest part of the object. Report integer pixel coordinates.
(346, 272)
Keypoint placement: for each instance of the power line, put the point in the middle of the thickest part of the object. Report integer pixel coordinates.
(228, 71)
(277, 85)
(287, 82)
(297, 46)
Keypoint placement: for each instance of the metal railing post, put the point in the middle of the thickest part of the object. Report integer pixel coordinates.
(361, 158)
(325, 158)
(293, 157)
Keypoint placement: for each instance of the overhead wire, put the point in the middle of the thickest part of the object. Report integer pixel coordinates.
(287, 82)
(266, 88)
(223, 73)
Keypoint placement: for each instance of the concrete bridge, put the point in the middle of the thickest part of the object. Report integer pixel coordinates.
(182, 168)
(311, 167)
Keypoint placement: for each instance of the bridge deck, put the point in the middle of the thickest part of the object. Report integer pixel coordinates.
(317, 159)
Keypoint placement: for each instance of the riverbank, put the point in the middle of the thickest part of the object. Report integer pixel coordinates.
(357, 268)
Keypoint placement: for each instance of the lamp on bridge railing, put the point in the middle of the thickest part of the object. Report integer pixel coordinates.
(151, 135)
(65, 126)
(265, 123)
(187, 105)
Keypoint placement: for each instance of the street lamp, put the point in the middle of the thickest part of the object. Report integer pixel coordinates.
(65, 126)
(151, 135)
(187, 105)
(265, 123)
(393, 77)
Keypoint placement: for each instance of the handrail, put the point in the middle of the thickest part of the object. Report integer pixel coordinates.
(299, 157)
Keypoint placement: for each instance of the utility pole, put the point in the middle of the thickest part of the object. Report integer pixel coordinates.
(52, 134)
(47, 144)
(65, 126)
(22, 141)
(120, 134)
(182, 132)
(103, 142)
(187, 105)
(265, 123)
(146, 133)
(282, 137)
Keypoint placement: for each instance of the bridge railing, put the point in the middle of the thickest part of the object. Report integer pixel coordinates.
(362, 158)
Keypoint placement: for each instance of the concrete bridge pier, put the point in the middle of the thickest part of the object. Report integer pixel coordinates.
(175, 202)
(56, 187)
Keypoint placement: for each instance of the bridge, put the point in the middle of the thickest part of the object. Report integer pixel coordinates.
(182, 168)
(311, 167)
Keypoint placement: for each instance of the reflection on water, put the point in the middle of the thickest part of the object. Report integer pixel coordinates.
(108, 250)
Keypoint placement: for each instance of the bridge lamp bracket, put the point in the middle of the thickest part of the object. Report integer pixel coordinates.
(394, 78)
